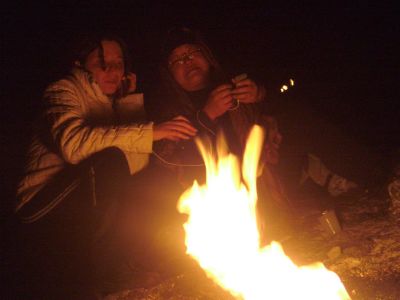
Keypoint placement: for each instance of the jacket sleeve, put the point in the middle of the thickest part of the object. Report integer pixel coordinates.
(76, 139)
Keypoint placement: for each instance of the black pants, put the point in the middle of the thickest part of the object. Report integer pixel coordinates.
(153, 224)
(103, 235)
(56, 248)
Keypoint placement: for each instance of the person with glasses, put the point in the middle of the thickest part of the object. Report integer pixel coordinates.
(90, 139)
(194, 85)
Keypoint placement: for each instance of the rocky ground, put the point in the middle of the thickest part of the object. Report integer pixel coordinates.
(365, 254)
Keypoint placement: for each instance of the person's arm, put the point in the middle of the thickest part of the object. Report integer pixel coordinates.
(219, 102)
(76, 139)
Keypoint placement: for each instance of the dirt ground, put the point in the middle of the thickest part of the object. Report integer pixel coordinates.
(365, 254)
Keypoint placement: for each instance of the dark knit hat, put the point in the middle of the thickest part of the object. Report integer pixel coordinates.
(175, 37)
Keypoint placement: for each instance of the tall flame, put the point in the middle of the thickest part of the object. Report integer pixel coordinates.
(222, 234)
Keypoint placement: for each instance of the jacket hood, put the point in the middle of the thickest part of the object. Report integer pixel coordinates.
(89, 85)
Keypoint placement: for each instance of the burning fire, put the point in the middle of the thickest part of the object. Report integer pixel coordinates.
(222, 234)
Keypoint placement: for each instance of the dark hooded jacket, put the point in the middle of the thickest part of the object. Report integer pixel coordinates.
(170, 100)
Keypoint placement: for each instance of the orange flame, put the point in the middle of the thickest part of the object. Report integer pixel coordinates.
(222, 234)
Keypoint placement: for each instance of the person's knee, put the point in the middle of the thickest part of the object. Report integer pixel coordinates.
(110, 159)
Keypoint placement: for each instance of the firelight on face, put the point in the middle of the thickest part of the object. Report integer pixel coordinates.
(189, 67)
(108, 75)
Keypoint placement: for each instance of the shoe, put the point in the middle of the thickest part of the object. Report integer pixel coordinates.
(322, 176)
(338, 185)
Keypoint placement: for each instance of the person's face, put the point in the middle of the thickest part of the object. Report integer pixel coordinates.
(109, 76)
(189, 67)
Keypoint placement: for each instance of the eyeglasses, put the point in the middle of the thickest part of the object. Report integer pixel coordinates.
(185, 57)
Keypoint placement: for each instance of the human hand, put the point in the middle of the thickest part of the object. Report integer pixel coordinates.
(247, 91)
(219, 101)
(176, 129)
(131, 78)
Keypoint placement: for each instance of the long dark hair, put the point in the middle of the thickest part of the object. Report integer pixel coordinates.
(87, 43)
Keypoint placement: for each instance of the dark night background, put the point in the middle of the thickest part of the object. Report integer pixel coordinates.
(344, 57)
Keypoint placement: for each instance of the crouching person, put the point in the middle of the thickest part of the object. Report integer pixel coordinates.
(194, 84)
(90, 139)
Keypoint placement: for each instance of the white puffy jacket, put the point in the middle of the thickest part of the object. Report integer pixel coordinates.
(82, 122)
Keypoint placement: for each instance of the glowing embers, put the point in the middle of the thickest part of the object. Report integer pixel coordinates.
(222, 234)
